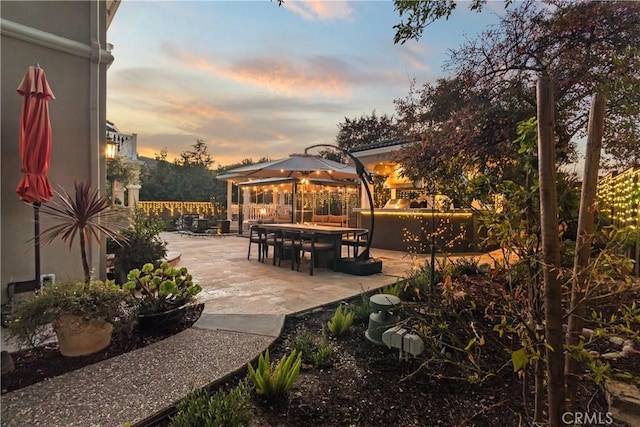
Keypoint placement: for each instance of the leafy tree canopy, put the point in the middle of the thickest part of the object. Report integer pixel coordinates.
(472, 116)
(365, 130)
(188, 178)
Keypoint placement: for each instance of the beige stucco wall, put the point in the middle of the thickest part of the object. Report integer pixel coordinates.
(75, 63)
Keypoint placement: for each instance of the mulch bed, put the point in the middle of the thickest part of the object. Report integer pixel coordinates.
(367, 385)
(38, 364)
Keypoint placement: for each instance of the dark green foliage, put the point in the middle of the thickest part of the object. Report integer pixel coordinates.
(223, 409)
(143, 245)
(464, 266)
(418, 286)
(304, 343)
(118, 170)
(92, 300)
(318, 353)
(362, 311)
(353, 133)
(323, 356)
(188, 178)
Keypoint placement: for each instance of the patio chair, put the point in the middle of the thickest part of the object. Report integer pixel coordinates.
(355, 241)
(311, 244)
(286, 242)
(258, 235)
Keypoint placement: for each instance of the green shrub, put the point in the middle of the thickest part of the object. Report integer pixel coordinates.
(143, 245)
(93, 300)
(273, 382)
(304, 343)
(362, 311)
(223, 409)
(464, 266)
(418, 286)
(320, 355)
(394, 289)
(340, 322)
(323, 355)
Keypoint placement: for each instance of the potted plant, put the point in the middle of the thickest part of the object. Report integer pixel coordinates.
(162, 294)
(82, 315)
(85, 215)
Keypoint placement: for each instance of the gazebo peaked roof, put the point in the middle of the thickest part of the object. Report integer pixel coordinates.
(275, 181)
(294, 166)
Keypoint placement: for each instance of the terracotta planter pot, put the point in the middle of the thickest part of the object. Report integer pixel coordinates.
(79, 337)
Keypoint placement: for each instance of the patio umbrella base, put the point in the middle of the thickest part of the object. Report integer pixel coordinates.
(360, 267)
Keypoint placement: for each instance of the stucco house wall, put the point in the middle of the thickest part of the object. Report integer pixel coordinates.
(68, 40)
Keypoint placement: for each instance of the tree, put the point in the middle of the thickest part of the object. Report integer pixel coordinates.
(568, 48)
(365, 130)
(120, 171)
(584, 47)
(463, 132)
(196, 177)
(159, 179)
(188, 178)
(584, 238)
(551, 252)
(422, 13)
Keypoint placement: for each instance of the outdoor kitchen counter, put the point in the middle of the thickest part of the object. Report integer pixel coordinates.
(412, 230)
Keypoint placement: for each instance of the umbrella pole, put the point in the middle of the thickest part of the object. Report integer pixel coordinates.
(29, 285)
(36, 231)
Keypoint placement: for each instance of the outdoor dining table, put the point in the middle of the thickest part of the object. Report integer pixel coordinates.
(326, 232)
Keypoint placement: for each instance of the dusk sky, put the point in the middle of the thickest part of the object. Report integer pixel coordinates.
(256, 80)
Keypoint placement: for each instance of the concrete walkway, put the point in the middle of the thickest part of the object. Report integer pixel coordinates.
(245, 305)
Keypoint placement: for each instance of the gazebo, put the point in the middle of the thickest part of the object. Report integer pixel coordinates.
(292, 189)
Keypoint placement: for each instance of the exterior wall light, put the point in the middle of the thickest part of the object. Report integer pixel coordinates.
(111, 149)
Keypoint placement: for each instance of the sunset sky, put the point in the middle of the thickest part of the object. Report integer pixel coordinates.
(256, 80)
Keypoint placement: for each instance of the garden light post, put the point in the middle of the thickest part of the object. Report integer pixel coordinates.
(433, 240)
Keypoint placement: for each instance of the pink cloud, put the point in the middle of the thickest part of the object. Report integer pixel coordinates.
(320, 10)
(278, 76)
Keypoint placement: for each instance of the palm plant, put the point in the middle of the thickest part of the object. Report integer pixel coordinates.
(85, 215)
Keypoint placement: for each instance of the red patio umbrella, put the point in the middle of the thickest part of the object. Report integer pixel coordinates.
(35, 150)
(35, 137)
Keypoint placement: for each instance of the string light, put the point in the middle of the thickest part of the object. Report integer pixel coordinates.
(619, 197)
(174, 208)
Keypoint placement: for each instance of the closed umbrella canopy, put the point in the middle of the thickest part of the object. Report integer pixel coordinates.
(35, 150)
(35, 137)
(295, 166)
